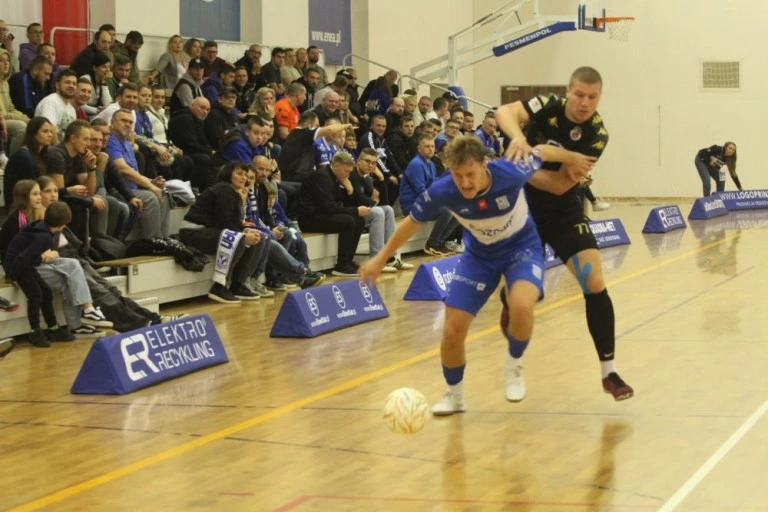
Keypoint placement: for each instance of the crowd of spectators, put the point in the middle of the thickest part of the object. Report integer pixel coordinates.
(269, 151)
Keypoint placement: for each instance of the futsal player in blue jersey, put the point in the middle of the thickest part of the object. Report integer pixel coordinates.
(500, 239)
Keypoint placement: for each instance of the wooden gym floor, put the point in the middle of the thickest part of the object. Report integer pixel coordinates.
(295, 425)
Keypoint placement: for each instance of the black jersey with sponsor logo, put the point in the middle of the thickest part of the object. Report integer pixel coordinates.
(549, 125)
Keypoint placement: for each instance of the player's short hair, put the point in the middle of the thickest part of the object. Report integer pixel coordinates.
(464, 148)
(587, 75)
(58, 214)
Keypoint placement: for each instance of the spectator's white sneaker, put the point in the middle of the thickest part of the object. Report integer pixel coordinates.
(95, 318)
(599, 206)
(400, 264)
(515, 382)
(389, 269)
(457, 247)
(3, 160)
(450, 403)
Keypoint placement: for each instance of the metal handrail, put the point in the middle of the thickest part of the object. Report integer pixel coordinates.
(440, 87)
(365, 59)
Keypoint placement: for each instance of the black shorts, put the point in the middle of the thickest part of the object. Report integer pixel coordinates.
(567, 235)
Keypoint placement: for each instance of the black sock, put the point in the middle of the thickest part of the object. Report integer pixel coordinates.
(602, 324)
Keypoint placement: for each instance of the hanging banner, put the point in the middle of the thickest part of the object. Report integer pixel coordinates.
(330, 28)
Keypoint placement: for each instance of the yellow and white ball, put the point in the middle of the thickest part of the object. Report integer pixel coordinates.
(406, 411)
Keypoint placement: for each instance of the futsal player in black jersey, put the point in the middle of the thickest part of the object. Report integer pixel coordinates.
(573, 123)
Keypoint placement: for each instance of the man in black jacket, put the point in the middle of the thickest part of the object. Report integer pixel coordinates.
(402, 143)
(187, 132)
(322, 210)
(375, 140)
(83, 61)
(27, 88)
(221, 119)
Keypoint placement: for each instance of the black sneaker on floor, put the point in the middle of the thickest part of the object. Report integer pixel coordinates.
(311, 279)
(6, 345)
(87, 331)
(242, 292)
(614, 385)
(221, 293)
(61, 334)
(39, 339)
(345, 270)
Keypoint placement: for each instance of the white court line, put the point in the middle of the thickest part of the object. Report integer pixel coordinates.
(716, 457)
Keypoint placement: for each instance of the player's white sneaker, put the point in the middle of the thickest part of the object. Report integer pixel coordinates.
(449, 404)
(599, 206)
(515, 382)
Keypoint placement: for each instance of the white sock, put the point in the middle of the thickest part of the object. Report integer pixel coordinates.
(607, 367)
(514, 361)
(457, 389)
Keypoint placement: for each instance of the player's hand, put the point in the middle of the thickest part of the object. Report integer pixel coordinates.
(518, 150)
(370, 270)
(579, 166)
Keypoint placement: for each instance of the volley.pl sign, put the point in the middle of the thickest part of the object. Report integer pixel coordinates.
(133, 360)
(315, 311)
(708, 208)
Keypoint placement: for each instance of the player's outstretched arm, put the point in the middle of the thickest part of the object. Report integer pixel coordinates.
(510, 118)
(371, 268)
(576, 165)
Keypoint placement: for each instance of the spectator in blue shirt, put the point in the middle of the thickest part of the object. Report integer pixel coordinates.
(417, 177)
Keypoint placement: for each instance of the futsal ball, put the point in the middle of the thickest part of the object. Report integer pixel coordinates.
(406, 411)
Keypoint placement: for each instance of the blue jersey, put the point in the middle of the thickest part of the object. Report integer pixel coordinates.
(496, 220)
(324, 152)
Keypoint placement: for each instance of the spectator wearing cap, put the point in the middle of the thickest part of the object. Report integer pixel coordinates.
(211, 61)
(270, 72)
(212, 85)
(287, 110)
(83, 61)
(338, 86)
(189, 86)
(353, 89)
(310, 80)
(221, 118)
(99, 77)
(121, 70)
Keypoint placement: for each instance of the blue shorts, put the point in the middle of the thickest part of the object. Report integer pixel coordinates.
(476, 278)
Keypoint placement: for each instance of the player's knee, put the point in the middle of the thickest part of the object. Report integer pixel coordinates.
(454, 334)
